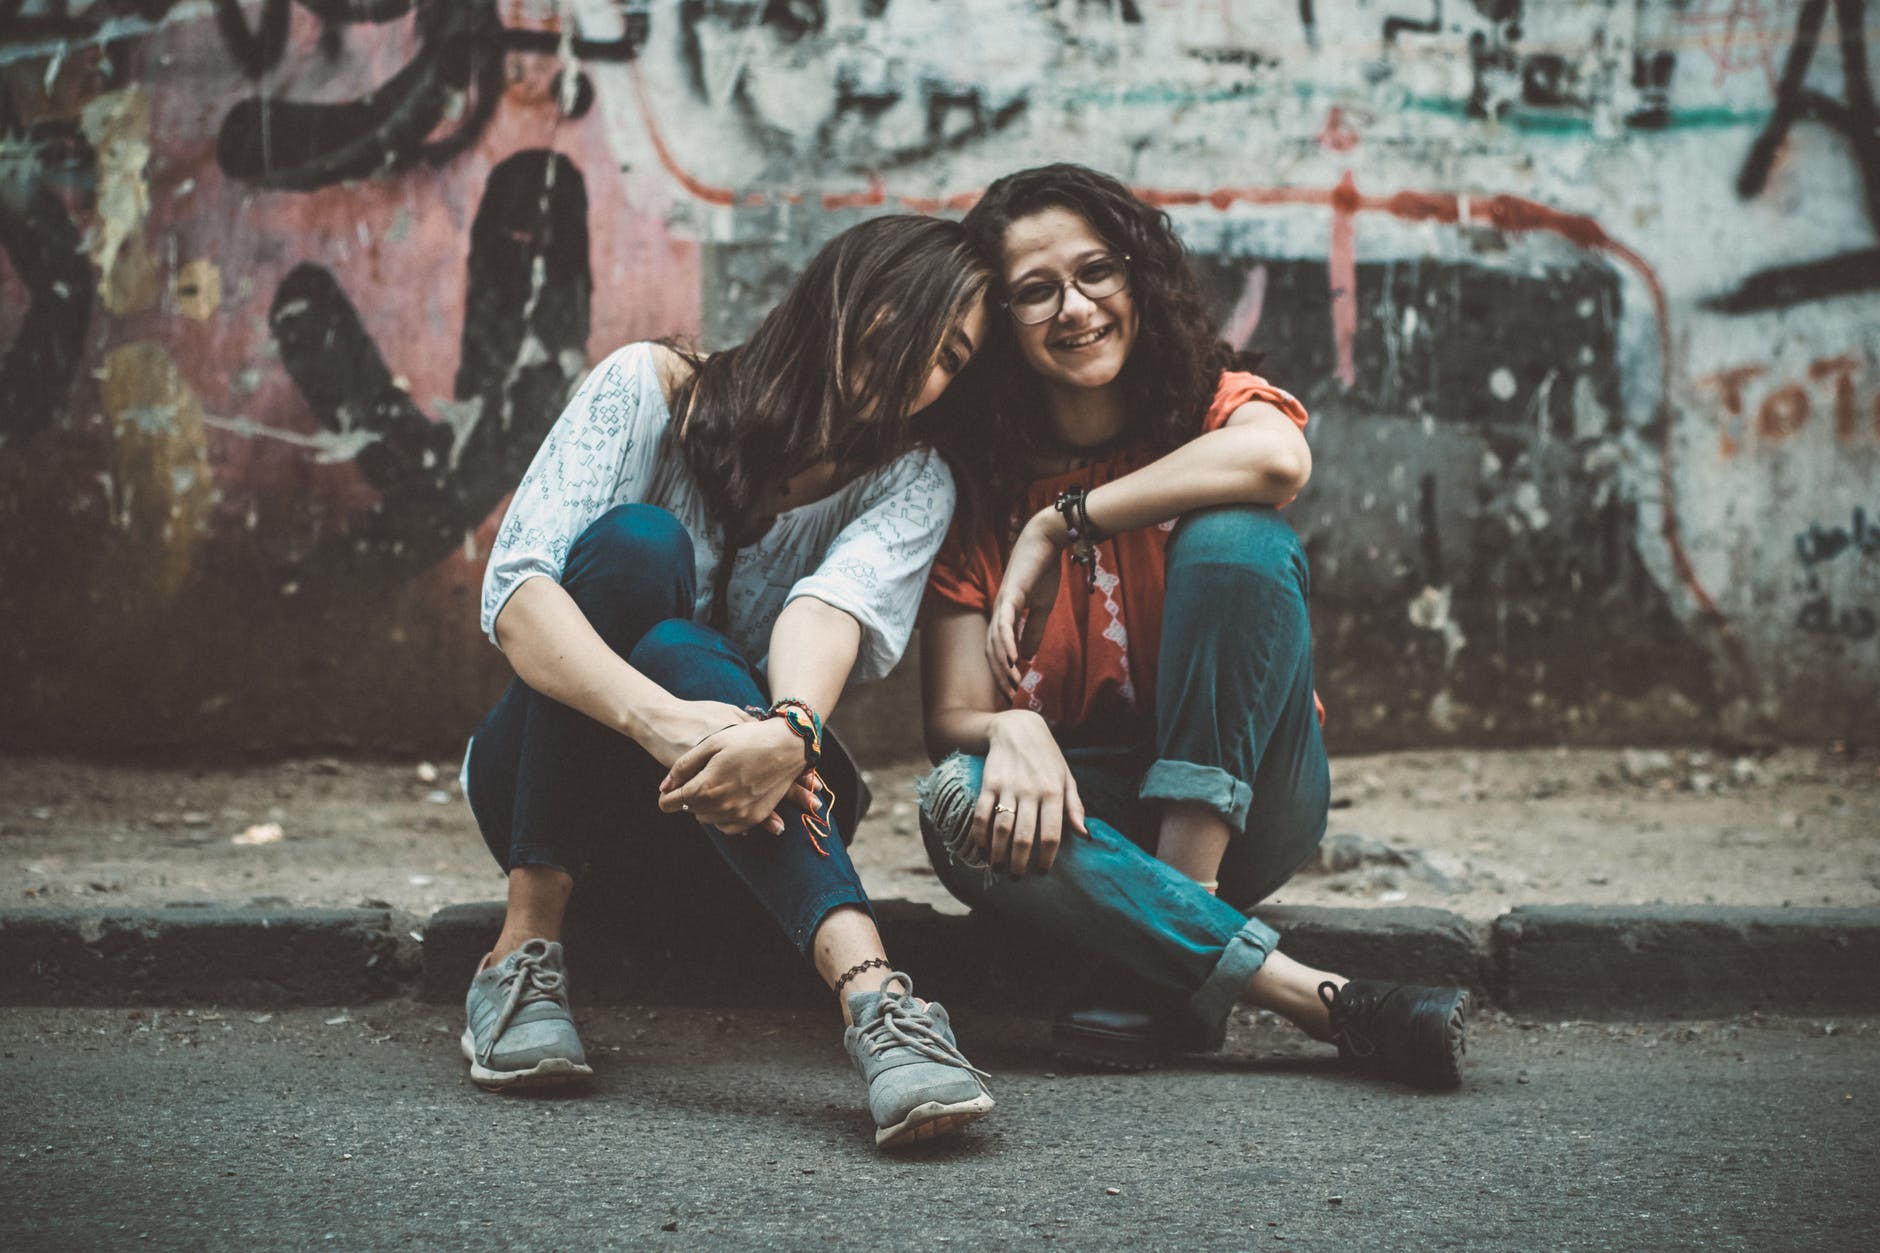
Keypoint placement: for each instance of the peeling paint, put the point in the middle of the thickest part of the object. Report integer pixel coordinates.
(118, 126)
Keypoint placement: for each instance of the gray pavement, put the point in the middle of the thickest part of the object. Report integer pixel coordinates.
(358, 1129)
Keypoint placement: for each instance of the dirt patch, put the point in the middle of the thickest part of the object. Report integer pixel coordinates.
(1472, 832)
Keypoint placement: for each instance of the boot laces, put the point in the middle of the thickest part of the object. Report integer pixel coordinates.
(1352, 1014)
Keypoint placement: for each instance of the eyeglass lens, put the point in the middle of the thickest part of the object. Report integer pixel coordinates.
(1041, 300)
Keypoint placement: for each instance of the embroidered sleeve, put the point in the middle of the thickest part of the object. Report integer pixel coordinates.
(595, 456)
(876, 568)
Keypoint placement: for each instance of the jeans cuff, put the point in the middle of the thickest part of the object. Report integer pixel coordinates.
(1202, 785)
(810, 917)
(531, 858)
(1245, 953)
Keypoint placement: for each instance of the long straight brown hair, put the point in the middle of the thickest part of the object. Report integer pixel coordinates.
(832, 372)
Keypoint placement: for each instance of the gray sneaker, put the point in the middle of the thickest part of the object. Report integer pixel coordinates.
(919, 1086)
(520, 1034)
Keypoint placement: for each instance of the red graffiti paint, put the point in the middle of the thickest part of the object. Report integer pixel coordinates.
(1343, 274)
(707, 192)
(1335, 135)
(876, 195)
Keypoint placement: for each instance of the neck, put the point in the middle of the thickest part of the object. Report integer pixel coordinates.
(1085, 417)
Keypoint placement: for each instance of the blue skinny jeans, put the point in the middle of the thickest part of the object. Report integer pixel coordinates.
(1236, 731)
(552, 787)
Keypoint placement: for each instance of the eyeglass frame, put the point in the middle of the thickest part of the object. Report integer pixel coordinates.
(1071, 281)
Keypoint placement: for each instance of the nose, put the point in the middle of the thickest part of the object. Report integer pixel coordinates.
(1077, 307)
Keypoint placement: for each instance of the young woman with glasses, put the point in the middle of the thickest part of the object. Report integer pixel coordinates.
(704, 552)
(1117, 653)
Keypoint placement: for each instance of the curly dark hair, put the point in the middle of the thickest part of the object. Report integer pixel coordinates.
(1172, 369)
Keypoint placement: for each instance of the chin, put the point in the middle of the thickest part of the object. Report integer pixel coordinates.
(1086, 374)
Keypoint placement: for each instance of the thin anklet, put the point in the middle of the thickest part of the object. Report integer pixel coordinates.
(873, 963)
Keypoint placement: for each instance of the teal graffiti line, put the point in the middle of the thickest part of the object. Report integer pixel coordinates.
(1540, 122)
(1523, 121)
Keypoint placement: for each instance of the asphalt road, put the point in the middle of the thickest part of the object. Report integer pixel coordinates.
(123, 1128)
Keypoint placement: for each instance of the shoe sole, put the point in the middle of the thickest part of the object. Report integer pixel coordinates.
(929, 1122)
(550, 1072)
(1451, 1044)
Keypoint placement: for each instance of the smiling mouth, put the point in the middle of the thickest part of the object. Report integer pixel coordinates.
(1084, 340)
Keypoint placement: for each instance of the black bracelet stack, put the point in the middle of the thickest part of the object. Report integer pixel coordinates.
(1084, 535)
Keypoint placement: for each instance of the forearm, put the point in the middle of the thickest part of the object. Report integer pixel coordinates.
(813, 650)
(555, 650)
(1237, 465)
(959, 730)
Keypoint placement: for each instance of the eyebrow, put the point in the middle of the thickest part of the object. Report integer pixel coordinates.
(1077, 263)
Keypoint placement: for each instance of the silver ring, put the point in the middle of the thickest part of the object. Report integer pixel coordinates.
(687, 808)
(1003, 809)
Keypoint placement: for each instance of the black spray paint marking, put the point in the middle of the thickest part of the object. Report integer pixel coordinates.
(1818, 617)
(1818, 543)
(47, 253)
(523, 347)
(1461, 342)
(1858, 120)
(300, 146)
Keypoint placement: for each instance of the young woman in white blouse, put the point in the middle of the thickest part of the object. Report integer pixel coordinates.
(704, 552)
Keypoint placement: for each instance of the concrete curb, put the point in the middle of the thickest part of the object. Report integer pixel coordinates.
(1663, 960)
(1537, 961)
(244, 955)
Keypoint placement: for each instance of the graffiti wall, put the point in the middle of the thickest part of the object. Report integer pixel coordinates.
(1584, 296)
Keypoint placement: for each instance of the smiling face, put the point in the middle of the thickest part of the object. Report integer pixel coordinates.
(1085, 345)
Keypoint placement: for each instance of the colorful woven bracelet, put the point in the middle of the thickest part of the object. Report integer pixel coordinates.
(804, 721)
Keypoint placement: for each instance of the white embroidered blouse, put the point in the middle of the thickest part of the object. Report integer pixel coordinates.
(864, 549)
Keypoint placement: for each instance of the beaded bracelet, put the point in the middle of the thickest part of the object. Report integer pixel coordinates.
(806, 724)
(1083, 533)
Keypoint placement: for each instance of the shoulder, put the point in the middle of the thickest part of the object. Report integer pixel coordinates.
(672, 367)
(919, 471)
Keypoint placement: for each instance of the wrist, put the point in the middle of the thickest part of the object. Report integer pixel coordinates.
(1008, 722)
(648, 725)
(1049, 525)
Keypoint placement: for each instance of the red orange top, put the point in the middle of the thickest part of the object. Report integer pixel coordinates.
(1097, 662)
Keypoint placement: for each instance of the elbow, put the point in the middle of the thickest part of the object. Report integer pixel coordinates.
(1281, 475)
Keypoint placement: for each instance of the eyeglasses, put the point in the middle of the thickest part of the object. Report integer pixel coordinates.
(1040, 299)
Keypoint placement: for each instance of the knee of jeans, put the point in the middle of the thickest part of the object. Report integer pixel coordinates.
(947, 796)
(662, 650)
(1252, 537)
(635, 536)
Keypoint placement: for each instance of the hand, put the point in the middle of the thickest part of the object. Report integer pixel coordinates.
(736, 777)
(1029, 783)
(688, 724)
(1028, 590)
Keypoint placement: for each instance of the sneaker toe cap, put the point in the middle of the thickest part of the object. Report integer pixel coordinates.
(898, 1092)
(527, 1044)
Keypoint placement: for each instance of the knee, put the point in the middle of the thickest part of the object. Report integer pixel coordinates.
(1253, 539)
(947, 795)
(668, 646)
(635, 537)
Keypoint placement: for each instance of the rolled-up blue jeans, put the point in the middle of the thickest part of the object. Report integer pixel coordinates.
(550, 786)
(1236, 731)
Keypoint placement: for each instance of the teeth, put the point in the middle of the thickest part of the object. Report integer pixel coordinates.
(1084, 340)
